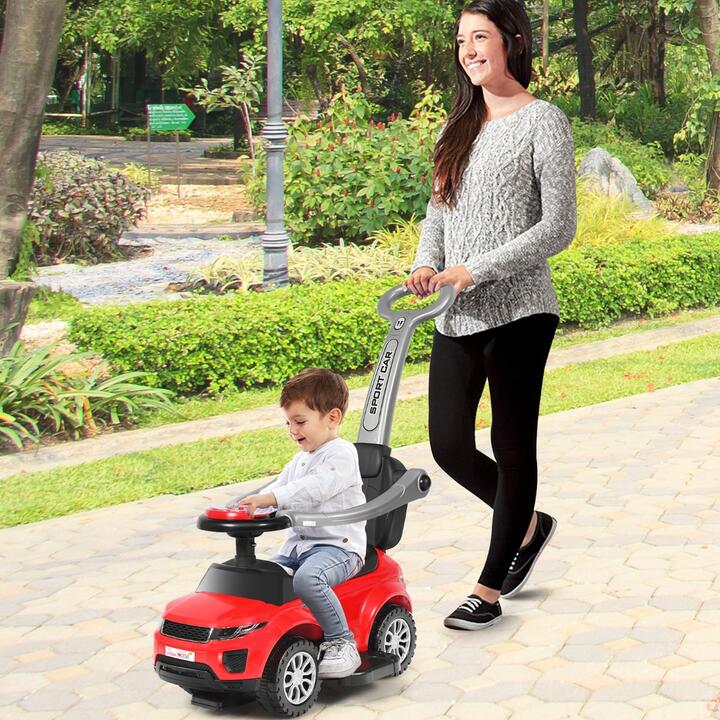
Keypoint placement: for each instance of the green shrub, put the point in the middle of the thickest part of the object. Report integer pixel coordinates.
(29, 240)
(214, 343)
(74, 127)
(80, 207)
(49, 304)
(38, 399)
(348, 176)
(597, 284)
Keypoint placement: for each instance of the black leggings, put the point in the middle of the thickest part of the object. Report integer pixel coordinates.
(512, 358)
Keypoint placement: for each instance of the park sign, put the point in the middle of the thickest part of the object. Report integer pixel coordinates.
(169, 117)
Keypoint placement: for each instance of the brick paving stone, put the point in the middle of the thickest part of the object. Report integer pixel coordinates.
(606, 710)
(623, 603)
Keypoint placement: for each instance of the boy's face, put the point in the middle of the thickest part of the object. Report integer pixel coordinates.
(310, 428)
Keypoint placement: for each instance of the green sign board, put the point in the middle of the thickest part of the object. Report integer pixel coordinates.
(169, 117)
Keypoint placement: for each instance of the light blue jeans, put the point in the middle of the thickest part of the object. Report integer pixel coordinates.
(316, 571)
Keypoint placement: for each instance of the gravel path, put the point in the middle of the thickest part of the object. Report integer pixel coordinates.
(144, 278)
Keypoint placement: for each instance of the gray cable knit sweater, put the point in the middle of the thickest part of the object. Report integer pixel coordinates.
(516, 207)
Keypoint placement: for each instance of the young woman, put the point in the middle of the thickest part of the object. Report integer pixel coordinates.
(503, 202)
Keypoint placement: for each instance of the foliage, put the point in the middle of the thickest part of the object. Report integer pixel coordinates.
(38, 399)
(216, 343)
(604, 220)
(635, 111)
(52, 305)
(690, 206)
(330, 262)
(179, 37)
(80, 207)
(348, 176)
(29, 240)
(70, 127)
(140, 133)
(138, 174)
(240, 87)
(646, 162)
(597, 284)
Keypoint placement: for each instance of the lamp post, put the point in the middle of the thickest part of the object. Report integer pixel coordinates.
(275, 240)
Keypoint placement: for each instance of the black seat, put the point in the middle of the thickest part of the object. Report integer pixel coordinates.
(379, 472)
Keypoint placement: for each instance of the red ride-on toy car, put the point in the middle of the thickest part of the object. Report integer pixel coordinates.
(245, 635)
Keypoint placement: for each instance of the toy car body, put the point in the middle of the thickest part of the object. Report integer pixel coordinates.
(245, 635)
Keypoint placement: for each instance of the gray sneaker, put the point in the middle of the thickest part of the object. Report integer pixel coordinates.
(340, 658)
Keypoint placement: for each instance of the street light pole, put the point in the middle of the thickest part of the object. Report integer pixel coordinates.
(275, 240)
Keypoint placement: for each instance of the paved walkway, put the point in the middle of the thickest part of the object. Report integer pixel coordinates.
(195, 169)
(74, 453)
(621, 620)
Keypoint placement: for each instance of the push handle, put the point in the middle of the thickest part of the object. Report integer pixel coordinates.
(413, 485)
(446, 295)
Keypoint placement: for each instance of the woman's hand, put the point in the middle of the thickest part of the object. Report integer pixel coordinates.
(458, 276)
(418, 282)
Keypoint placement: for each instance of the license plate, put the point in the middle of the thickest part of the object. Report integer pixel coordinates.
(180, 654)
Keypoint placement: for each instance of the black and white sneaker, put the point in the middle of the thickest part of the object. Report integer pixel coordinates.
(473, 614)
(526, 557)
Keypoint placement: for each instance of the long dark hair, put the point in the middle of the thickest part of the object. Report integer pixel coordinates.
(468, 110)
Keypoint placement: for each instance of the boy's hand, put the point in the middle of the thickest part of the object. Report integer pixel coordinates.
(253, 502)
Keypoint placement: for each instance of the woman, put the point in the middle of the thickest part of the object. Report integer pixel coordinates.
(503, 202)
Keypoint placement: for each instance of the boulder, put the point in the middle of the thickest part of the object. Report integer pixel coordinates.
(611, 177)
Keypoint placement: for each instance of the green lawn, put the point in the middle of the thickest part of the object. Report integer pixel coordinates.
(194, 466)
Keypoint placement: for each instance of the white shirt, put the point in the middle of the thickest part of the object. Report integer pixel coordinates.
(324, 480)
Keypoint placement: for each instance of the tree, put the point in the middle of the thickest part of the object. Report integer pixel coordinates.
(586, 73)
(240, 90)
(710, 27)
(27, 62)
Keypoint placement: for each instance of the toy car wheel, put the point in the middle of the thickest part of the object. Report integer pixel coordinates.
(290, 683)
(394, 633)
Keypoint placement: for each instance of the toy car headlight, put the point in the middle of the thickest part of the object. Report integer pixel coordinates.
(231, 633)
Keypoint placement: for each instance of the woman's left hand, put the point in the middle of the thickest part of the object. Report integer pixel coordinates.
(457, 276)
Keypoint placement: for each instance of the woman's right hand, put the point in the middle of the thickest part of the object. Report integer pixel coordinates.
(418, 282)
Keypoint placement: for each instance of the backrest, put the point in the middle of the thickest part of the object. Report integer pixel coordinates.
(379, 472)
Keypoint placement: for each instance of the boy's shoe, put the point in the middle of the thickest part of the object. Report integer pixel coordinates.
(474, 614)
(340, 658)
(526, 557)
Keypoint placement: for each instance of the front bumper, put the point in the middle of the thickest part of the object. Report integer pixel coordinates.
(196, 676)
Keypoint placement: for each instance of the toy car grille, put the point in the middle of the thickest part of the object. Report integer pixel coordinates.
(235, 661)
(194, 633)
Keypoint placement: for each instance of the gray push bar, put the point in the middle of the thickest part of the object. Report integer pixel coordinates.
(377, 416)
(413, 485)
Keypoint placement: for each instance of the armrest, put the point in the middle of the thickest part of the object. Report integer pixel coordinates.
(413, 485)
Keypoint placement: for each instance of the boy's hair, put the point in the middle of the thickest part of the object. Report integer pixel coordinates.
(319, 389)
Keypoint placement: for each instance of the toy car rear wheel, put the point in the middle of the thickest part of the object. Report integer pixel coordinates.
(394, 633)
(290, 683)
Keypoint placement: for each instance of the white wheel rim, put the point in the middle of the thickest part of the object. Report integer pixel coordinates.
(299, 678)
(397, 639)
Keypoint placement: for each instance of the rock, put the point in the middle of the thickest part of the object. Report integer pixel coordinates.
(611, 177)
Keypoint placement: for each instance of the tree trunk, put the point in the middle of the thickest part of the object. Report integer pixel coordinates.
(656, 51)
(27, 64)
(584, 59)
(545, 34)
(358, 64)
(710, 27)
(14, 301)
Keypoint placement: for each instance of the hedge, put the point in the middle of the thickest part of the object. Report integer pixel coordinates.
(215, 342)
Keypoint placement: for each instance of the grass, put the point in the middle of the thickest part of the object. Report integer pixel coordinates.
(198, 408)
(52, 305)
(195, 466)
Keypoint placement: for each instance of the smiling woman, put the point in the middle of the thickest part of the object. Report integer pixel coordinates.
(503, 202)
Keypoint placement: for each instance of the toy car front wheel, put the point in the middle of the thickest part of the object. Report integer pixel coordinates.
(290, 683)
(394, 633)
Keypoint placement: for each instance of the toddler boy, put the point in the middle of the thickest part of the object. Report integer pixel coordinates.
(323, 476)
